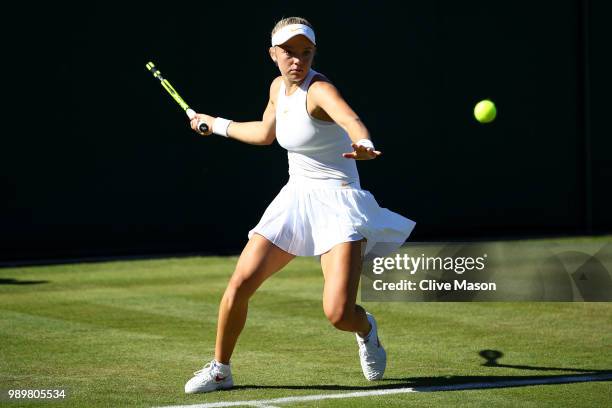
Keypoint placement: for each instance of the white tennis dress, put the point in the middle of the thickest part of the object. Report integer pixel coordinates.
(323, 204)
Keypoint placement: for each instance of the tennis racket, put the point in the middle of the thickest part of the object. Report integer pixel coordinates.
(175, 95)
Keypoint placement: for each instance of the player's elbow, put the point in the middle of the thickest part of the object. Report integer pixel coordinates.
(266, 142)
(262, 141)
(268, 137)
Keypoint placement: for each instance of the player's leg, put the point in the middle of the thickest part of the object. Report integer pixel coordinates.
(342, 270)
(258, 261)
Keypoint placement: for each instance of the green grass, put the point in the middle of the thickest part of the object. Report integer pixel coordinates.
(131, 333)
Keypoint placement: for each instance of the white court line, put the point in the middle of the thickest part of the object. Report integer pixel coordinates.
(453, 387)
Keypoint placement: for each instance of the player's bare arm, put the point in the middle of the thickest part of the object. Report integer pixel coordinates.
(261, 132)
(326, 96)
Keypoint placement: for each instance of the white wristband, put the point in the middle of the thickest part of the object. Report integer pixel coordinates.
(367, 143)
(220, 126)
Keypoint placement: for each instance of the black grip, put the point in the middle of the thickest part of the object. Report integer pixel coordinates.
(203, 127)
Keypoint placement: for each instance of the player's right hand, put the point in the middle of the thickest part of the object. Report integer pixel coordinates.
(361, 153)
(197, 119)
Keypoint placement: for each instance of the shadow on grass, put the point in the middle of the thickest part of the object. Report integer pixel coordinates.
(493, 355)
(11, 281)
(449, 383)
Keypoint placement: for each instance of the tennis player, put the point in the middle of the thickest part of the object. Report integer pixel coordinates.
(322, 209)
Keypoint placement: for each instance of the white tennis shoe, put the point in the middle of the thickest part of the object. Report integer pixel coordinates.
(210, 378)
(372, 354)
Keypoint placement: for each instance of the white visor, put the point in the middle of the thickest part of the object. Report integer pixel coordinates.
(284, 34)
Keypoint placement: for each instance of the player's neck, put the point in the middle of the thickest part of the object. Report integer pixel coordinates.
(291, 86)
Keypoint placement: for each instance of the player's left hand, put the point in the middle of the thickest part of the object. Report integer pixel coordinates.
(361, 153)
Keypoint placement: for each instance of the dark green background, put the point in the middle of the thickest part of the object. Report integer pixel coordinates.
(98, 161)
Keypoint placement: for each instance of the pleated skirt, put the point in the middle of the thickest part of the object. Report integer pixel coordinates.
(309, 217)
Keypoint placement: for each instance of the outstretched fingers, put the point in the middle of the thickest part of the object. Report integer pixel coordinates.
(361, 153)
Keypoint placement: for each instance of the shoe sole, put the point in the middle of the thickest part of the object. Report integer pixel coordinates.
(219, 387)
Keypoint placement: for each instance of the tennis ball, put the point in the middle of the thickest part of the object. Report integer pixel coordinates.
(485, 111)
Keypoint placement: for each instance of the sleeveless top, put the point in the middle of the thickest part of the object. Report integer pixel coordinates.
(314, 147)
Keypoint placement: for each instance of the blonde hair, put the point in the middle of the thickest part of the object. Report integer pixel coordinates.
(290, 20)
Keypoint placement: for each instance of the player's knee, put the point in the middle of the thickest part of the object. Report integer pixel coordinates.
(239, 289)
(340, 317)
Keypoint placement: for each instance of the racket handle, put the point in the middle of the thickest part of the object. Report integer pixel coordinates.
(203, 127)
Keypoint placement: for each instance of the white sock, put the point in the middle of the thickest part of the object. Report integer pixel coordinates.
(367, 336)
(224, 369)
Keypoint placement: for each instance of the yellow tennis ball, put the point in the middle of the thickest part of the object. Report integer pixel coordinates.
(485, 111)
